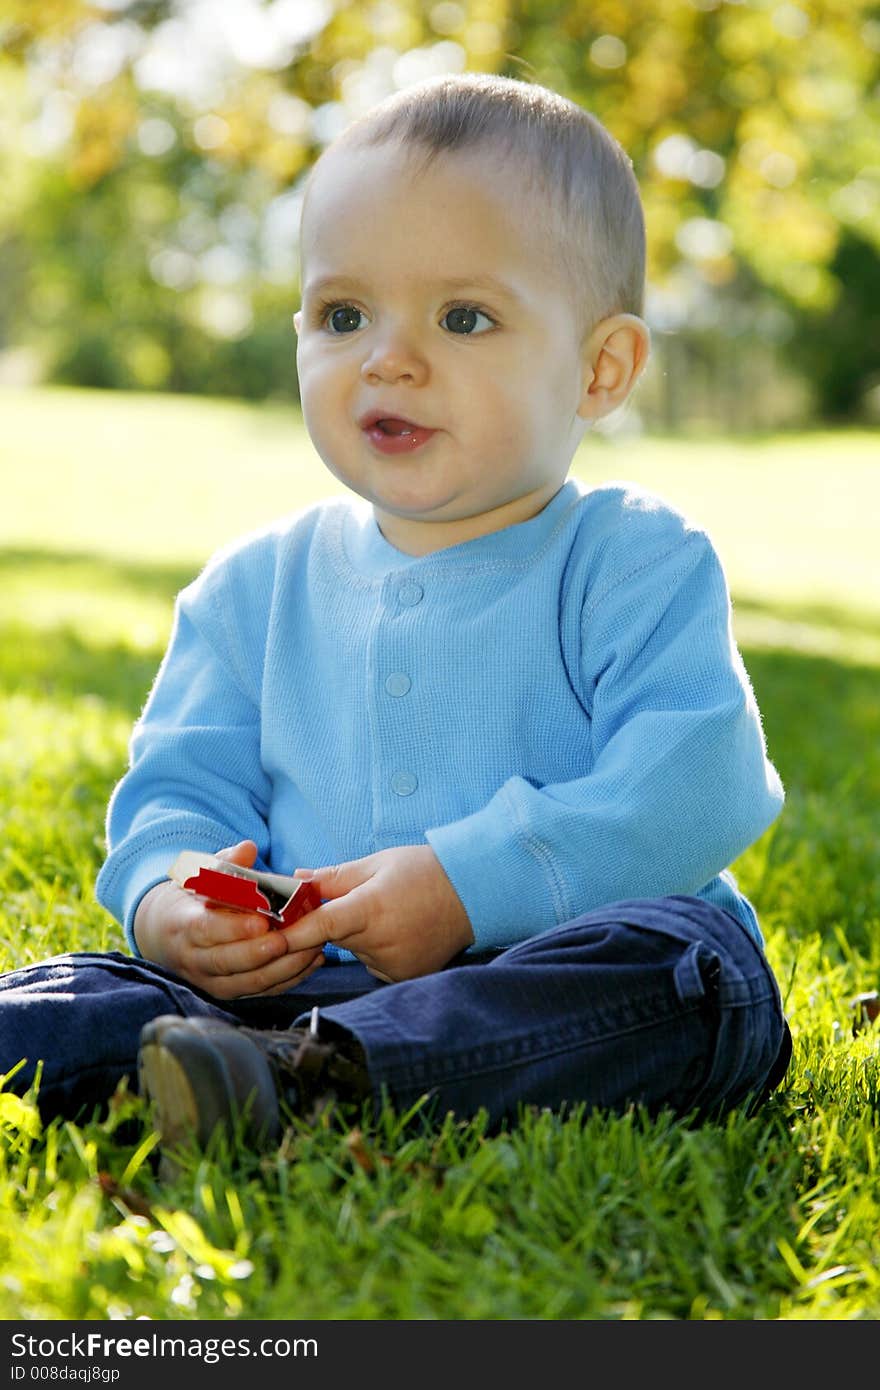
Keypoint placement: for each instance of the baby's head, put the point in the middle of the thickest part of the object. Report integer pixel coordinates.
(473, 262)
(565, 170)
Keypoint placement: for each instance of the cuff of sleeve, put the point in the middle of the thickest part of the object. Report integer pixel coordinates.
(506, 891)
(121, 895)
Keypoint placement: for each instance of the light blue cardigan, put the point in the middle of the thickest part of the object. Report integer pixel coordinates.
(559, 709)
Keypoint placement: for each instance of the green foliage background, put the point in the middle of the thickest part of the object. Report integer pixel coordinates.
(133, 228)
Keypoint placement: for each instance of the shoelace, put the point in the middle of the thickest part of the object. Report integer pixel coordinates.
(318, 1069)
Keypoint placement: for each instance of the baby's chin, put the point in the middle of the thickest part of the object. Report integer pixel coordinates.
(423, 533)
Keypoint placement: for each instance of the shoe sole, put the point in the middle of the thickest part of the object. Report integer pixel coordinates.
(194, 1099)
(175, 1112)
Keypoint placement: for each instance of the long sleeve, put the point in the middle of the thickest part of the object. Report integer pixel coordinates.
(677, 782)
(195, 779)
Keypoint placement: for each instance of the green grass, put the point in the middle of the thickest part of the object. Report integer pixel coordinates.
(110, 505)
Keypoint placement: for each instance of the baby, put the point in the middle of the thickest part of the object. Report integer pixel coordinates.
(496, 716)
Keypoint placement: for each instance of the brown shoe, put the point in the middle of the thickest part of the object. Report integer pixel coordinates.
(202, 1075)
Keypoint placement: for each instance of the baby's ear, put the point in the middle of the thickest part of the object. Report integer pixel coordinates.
(297, 320)
(614, 358)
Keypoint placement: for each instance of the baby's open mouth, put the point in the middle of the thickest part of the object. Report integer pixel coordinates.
(392, 434)
(394, 426)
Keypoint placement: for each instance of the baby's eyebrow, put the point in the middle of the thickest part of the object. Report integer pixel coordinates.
(480, 282)
(328, 282)
(342, 284)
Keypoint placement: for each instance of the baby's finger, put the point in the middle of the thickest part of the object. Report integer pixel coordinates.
(217, 926)
(335, 880)
(243, 854)
(272, 978)
(332, 921)
(304, 974)
(241, 955)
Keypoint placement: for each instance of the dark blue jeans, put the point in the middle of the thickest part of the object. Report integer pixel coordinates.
(665, 1002)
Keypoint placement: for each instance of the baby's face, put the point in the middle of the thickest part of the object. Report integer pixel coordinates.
(439, 352)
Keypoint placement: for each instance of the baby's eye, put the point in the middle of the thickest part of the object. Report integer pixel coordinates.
(342, 318)
(464, 318)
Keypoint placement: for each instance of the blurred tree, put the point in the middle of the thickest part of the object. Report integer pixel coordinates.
(755, 132)
(839, 350)
(137, 251)
(151, 151)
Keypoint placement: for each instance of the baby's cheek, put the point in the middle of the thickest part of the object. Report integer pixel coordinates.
(511, 424)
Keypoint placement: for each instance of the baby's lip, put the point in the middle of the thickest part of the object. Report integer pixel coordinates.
(375, 416)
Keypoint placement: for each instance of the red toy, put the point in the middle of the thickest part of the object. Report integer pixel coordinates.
(277, 896)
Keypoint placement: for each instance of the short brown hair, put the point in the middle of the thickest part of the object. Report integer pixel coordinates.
(567, 154)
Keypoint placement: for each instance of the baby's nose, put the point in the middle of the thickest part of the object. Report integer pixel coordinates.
(395, 356)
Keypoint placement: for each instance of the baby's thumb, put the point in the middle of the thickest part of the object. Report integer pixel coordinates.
(243, 854)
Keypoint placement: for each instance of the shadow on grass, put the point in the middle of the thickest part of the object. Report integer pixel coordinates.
(57, 661)
(59, 666)
(150, 579)
(831, 617)
(821, 719)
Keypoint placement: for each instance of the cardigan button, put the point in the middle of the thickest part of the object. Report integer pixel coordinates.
(410, 593)
(398, 683)
(404, 783)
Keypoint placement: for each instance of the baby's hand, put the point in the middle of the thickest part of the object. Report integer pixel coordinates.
(226, 953)
(396, 910)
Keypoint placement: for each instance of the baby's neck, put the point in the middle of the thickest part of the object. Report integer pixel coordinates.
(413, 536)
